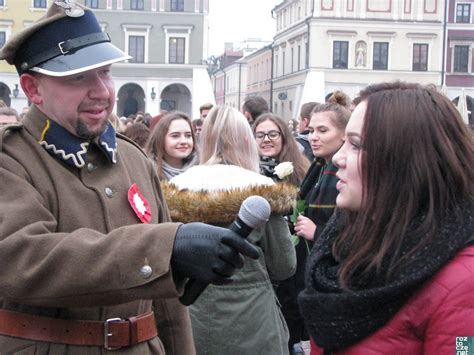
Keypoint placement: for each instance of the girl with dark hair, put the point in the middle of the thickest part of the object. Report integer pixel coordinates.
(172, 145)
(393, 272)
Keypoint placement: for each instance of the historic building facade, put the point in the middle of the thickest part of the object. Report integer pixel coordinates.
(324, 45)
(166, 38)
(459, 69)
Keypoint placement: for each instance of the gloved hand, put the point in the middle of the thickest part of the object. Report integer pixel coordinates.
(209, 254)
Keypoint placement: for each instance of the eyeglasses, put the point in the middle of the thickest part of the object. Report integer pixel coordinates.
(270, 134)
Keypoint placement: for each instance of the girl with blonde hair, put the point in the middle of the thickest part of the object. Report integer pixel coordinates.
(242, 317)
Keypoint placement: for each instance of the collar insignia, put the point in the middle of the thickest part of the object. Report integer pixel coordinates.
(139, 204)
(71, 8)
(71, 149)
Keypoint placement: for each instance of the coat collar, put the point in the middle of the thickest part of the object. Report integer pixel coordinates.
(213, 193)
(65, 146)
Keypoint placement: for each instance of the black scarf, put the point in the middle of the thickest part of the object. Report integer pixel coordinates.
(267, 167)
(337, 318)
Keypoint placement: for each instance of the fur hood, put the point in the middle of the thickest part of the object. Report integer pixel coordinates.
(213, 193)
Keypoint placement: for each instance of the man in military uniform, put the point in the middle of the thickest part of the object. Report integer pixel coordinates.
(86, 262)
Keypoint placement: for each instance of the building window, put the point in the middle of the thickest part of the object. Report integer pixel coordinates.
(461, 59)
(420, 57)
(93, 4)
(380, 61)
(2, 2)
(268, 71)
(3, 38)
(177, 5)
(39, 4)
(283, 56)
(136, 49)
(168, 105)
(340, 54)
(276, 65)
(292, 59)
(176, 51)
(463, 13)
(136, 5)
(306, 55)
(299, 57)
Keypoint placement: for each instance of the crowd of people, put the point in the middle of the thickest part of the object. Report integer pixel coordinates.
(109, 223)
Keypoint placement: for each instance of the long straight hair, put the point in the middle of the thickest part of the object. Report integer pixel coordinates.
(416, 163)
(289, 148)
(227, 138)
(155, 145)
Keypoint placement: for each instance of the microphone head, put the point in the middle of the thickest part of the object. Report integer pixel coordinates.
(254, 211)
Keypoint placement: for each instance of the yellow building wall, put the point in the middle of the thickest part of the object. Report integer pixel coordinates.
(18, 14)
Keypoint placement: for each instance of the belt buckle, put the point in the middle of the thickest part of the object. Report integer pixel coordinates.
(107, 334)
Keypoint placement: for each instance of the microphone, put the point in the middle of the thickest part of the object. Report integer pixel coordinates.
(254, 212)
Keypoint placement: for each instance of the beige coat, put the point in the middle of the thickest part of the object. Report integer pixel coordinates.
(70, 250)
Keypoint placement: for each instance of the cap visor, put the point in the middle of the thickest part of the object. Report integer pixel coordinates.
(82, 60)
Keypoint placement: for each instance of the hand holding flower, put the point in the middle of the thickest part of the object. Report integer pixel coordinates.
(304, 227)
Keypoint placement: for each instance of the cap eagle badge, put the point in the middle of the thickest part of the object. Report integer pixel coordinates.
(71, 8)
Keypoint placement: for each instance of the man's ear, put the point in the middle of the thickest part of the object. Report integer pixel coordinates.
(30, 85)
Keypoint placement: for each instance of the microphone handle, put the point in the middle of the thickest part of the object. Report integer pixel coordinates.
(239, 227)
(194, 287)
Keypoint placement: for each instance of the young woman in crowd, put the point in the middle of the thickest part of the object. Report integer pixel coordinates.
(318, 190)
(276, 145)
(393, 272)
(172, 145)
(242, 317)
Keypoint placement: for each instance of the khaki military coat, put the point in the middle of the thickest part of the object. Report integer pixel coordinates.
(72, 247)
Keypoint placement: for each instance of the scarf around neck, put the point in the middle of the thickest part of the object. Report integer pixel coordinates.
(169, 171)
(337, 318)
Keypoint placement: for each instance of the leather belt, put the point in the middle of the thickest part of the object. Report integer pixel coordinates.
(114, 333)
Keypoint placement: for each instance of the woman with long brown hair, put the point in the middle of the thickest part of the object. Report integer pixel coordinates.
(172, 145)
(393, 270)
(276, 144)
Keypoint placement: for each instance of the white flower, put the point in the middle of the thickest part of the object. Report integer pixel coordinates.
(284, 169)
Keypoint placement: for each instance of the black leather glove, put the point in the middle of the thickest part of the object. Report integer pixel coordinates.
(209, 254)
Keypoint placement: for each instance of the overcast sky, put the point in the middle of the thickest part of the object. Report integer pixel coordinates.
(236, 20)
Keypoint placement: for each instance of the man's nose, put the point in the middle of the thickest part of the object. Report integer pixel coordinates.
(99, 89)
